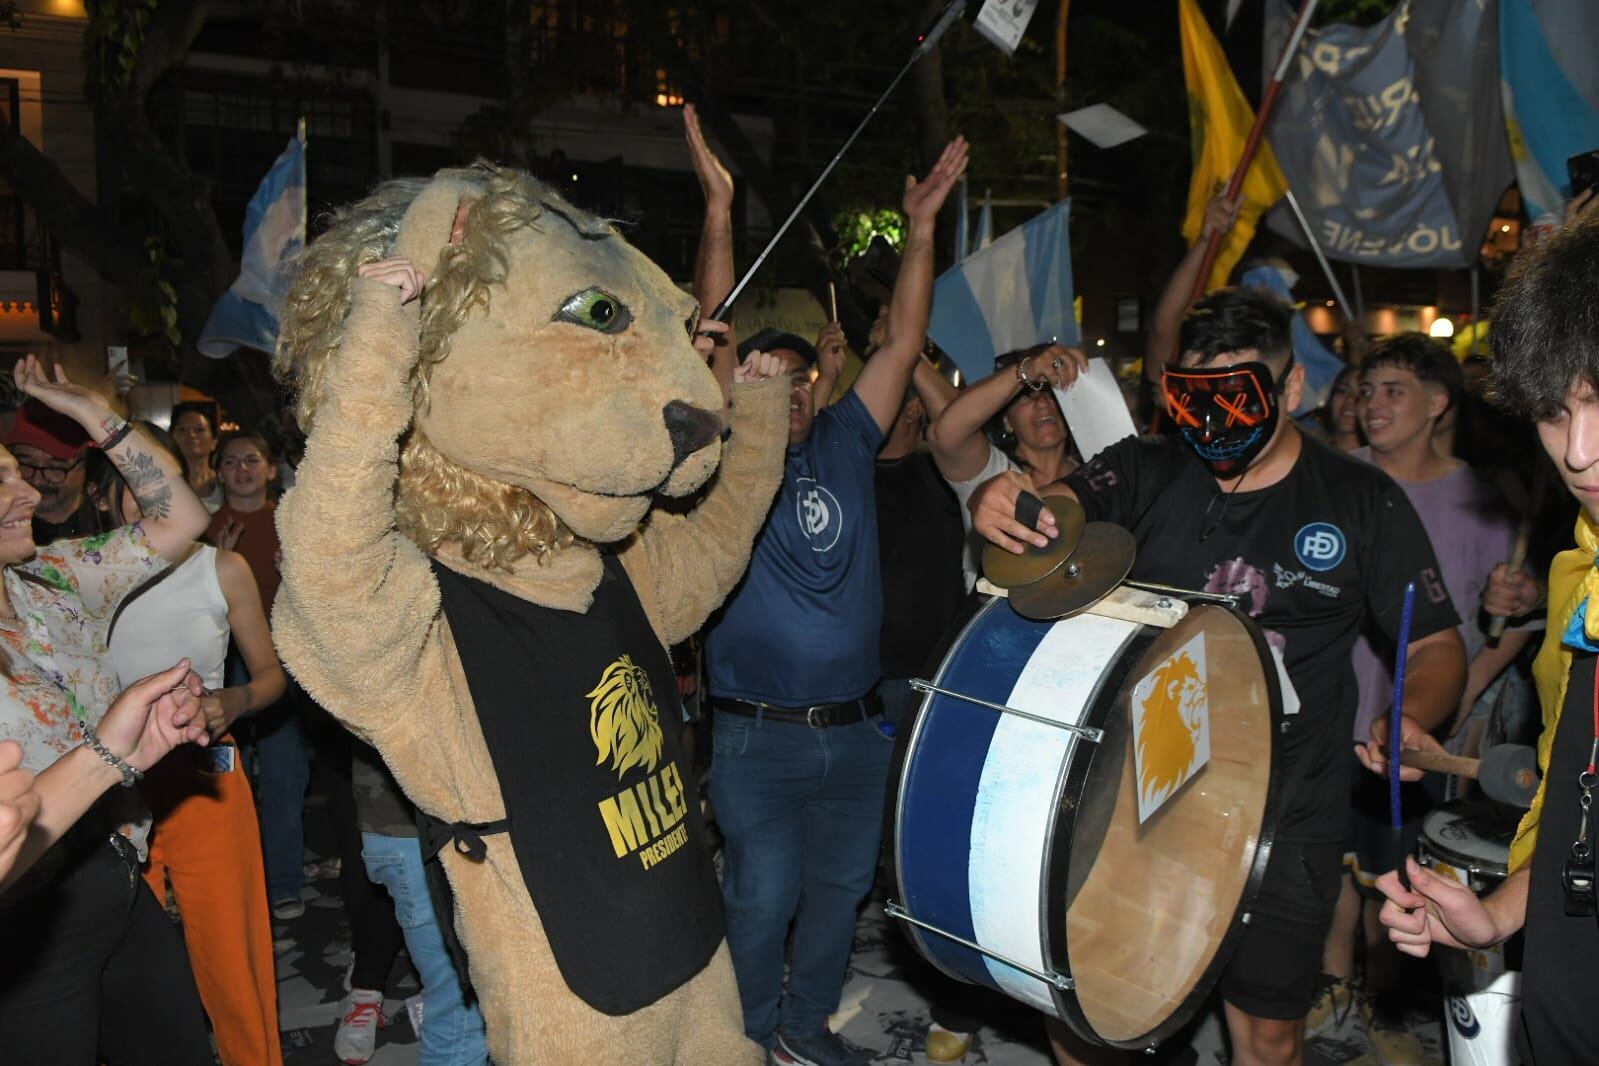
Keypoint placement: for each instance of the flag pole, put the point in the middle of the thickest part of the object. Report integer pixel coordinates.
(1268, 102)
(1321, 257)
(924, 44)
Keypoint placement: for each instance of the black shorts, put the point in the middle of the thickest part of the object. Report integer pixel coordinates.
(1274, 967)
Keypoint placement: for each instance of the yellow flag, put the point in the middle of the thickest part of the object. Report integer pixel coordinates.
(1219, 119)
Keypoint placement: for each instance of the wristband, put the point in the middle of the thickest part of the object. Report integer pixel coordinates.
(116, 437)
(130, 775)
(1021, 373)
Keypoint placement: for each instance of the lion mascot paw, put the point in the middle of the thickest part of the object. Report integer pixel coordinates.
(475, 582)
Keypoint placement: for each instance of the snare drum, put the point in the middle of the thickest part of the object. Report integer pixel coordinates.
(1470, 841)
(1084, 812)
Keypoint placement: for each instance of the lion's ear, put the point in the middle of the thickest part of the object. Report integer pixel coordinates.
(435, 219)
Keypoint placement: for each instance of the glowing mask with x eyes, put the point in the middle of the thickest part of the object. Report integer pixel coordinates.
(1227, 414)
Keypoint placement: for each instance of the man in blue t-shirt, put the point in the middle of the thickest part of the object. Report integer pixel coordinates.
(801, 760)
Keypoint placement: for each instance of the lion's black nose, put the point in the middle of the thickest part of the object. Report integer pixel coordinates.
(691, 428)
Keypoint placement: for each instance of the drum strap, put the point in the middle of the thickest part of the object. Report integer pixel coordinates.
(1577, 875)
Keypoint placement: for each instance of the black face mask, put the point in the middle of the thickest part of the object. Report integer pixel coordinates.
(1227, 415)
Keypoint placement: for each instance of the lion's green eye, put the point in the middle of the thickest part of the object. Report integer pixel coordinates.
(596, 309)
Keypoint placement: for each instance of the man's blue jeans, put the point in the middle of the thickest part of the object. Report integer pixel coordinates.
(801, 811)
(452, 1031)
(283, 771)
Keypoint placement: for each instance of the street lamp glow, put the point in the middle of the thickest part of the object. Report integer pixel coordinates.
(1442, 328)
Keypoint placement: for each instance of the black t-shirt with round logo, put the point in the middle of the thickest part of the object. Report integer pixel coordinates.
(1315, 559)
(582, 720)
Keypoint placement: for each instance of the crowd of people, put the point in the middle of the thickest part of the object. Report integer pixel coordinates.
(157, 756)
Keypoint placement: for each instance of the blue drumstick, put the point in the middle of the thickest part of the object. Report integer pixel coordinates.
(1395, 731)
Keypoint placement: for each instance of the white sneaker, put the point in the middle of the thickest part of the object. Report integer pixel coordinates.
(357, 1036)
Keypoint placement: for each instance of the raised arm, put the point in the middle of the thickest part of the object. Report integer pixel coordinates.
(1161, 350)
(173, 514)
(881, 384)
(934, 389)
(959, 447)
(358, 599)
(713, 263)
(684, 566)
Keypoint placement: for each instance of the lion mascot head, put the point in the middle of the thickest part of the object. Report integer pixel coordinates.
(558, 389)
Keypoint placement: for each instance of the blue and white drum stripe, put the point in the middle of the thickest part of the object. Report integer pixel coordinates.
(980, 788)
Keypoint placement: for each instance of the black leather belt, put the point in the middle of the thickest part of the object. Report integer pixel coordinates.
(821, 716)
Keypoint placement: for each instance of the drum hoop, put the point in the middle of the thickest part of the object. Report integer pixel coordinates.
(1057, 955)
(902, 752)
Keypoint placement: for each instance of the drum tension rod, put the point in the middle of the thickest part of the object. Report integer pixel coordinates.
(1185, 594)
(1083, 731)
(1056, 980)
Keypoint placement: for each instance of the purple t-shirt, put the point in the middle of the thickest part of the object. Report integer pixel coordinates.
(1472, 530)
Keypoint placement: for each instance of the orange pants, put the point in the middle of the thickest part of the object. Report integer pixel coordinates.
(207, 844)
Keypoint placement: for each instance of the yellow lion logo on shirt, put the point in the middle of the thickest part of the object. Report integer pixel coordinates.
(623, 721)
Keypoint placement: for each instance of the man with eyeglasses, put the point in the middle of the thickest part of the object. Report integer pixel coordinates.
(50, 450)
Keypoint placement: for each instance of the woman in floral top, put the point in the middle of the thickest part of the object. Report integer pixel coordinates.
(93, 970)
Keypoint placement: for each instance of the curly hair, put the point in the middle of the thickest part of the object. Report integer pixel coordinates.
(437, 501)
(1545, 335)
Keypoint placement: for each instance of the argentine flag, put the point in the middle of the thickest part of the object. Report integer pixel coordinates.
(1550, 85)
(1014, 293)
(274, 229)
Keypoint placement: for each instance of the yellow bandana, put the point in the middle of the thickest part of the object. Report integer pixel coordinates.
(1573, 580)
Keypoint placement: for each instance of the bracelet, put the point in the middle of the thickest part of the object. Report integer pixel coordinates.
(116, 437)
(130, 775)
(1021, 373)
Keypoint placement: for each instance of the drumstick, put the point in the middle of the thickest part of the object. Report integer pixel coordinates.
(832, 302)
(1518, 554)
(1396, 827)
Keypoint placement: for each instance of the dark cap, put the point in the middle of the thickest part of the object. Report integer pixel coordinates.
(770, 340)
(55, 434)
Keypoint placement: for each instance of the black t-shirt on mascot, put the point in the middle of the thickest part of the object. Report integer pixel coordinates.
(1313, 558)
(581, 718)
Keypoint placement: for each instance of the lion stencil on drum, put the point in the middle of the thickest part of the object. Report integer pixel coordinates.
(1172, 723)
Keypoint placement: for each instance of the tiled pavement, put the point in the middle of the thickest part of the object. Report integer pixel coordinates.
(882, 1009)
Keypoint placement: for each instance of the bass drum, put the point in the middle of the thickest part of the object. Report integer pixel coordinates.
(1101, 882)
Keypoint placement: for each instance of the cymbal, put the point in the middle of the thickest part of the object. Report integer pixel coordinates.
(1008, 570)
(1103, 558)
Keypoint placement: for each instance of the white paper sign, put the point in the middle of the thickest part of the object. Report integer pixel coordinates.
(1004, 22)
(1103, 125)
(1171, 725)
(1095, 410)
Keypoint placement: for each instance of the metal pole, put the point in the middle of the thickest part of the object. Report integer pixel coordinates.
(1315, 246)
(925, 44)
(1062, 185)
(1476, 311)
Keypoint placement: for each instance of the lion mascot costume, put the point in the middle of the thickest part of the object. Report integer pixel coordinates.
(475, 582)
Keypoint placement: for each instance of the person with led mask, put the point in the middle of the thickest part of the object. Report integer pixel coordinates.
(1237, 497)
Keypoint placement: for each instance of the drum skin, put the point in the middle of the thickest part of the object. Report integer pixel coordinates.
(1017, 836)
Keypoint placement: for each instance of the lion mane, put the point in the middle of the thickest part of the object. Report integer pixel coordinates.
(437, 501)
(623, 721)
(1165, 743)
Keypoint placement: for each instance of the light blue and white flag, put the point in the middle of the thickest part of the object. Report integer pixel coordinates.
(1015, 293)
(274, 229)
(1550, 83)
(1321, 365)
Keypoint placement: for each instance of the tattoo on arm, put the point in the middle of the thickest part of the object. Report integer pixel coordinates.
(148, 483)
